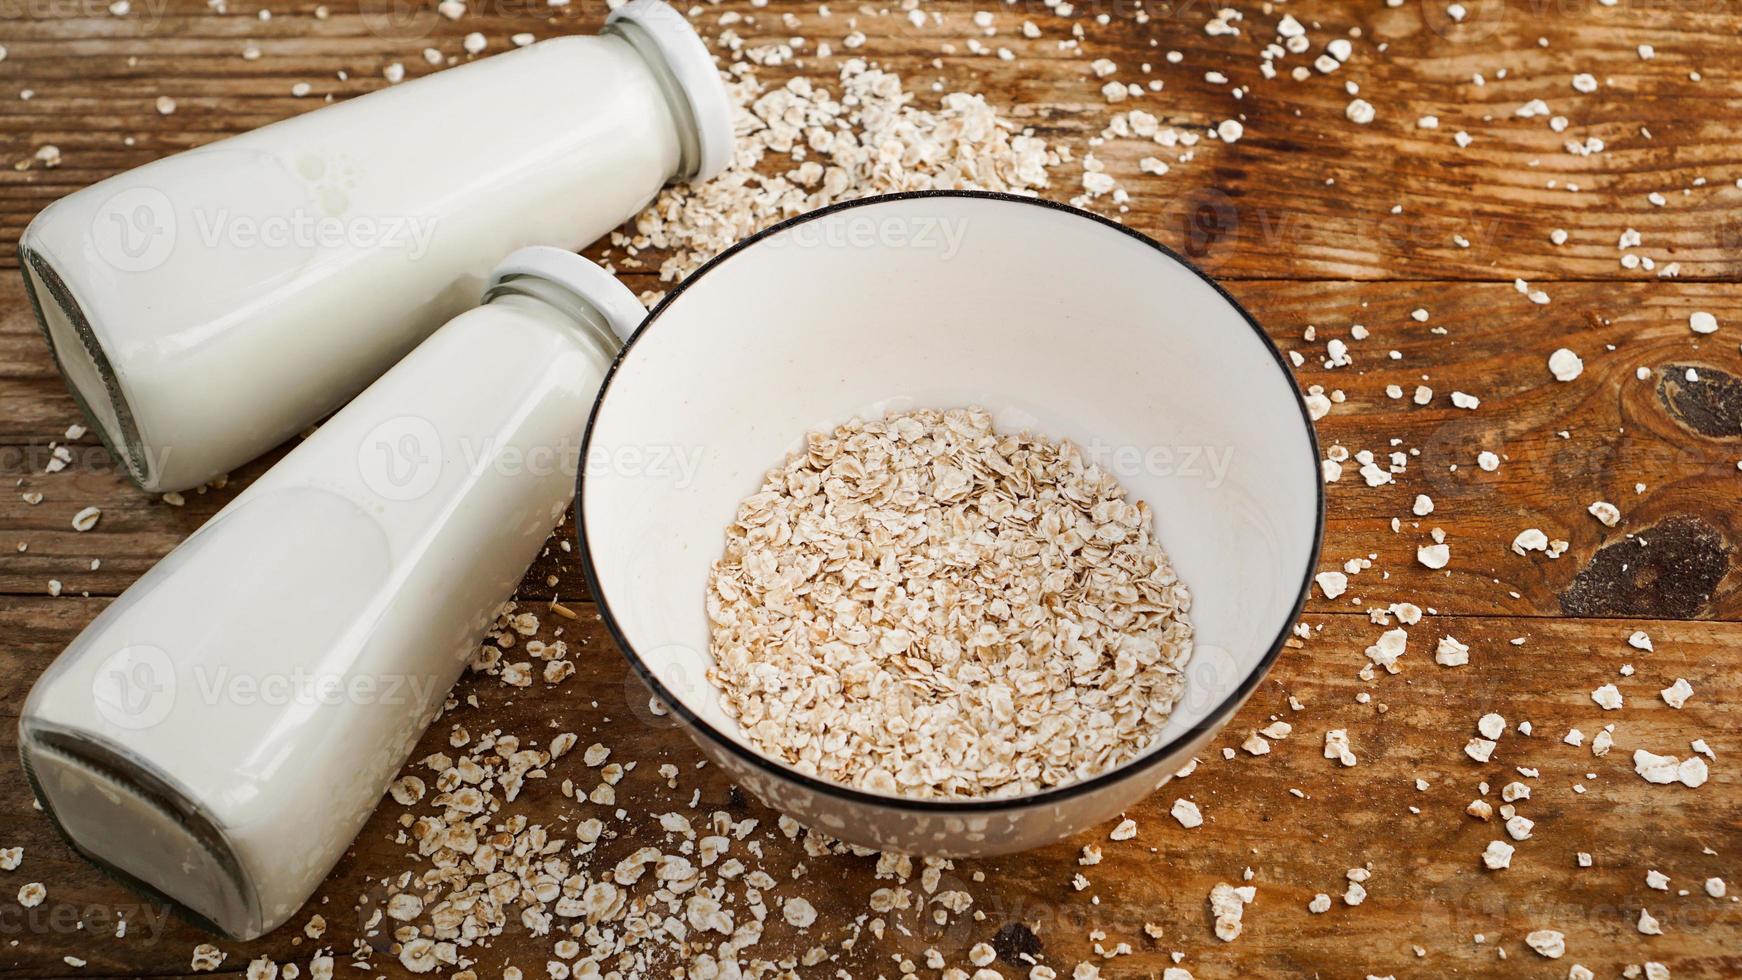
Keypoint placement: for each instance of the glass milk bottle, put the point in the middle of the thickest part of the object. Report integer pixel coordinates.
(220, 733)
(208, 306)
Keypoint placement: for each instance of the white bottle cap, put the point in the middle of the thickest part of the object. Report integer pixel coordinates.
(693, 68)
(603, 291)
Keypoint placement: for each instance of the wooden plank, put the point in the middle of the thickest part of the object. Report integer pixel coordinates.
(1305, 193)
(1427, 887)
(1681, 439)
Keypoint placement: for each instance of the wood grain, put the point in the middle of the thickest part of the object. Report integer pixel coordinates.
(1619, 431)
(1427, 886)
(1305, 194)
(1312, 221)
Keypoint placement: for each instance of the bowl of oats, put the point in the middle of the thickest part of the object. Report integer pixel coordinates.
(950, 522)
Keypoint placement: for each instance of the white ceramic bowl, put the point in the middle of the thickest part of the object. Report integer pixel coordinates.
(1052, 319)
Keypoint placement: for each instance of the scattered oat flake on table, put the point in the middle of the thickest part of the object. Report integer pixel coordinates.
(1548, 942)
(1665, 769)
(1337, 746)
(1703, 322)
(1451, 653)
(1227, 906)
(1605, 512)
(1528, 540)
(1187, 813)
(1391, 645)
(1608, 697)
(11, 858)
(798, 912)
(1332, 584)
(1435, 556)
(32, 894)
(1355, 894)
(1677, 694)
(1498, 855)
(1124, 830)
(1565, 365)
(418, 955)
(86, 519)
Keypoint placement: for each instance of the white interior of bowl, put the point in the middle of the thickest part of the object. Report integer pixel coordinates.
(1050, 320)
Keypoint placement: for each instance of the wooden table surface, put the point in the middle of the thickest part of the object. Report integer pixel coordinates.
(1310, 221)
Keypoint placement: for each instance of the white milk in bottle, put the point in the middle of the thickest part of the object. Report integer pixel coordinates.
(206, 307)
(219, 734)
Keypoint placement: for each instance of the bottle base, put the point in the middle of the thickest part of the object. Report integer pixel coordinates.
(138, 829)
(89, 376)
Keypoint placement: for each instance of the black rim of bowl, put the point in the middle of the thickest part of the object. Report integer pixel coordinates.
(1215, 719)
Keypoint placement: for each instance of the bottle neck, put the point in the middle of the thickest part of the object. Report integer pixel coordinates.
(589, 325)
(676, 100)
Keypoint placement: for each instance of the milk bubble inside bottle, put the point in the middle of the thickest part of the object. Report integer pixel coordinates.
(208, 306)
(219, 734)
